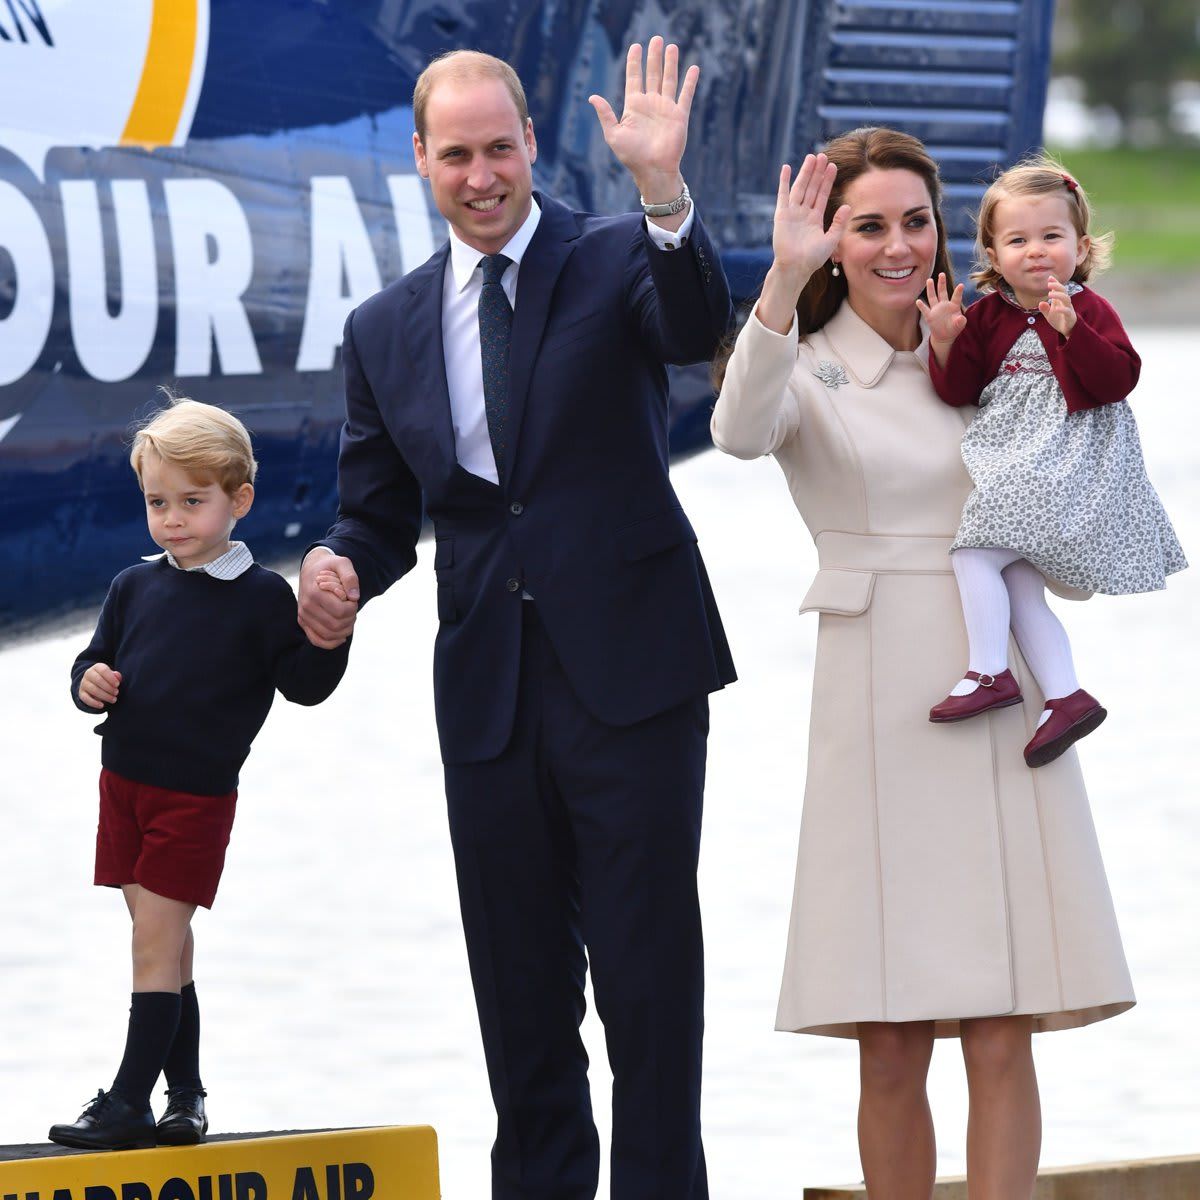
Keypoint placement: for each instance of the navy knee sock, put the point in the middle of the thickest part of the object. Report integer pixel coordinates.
(182, 1067)
(153, 1020)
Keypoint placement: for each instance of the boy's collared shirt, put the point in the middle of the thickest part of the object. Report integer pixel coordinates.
(234, 562)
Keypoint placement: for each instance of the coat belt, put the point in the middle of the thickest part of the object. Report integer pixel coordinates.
(882, 552)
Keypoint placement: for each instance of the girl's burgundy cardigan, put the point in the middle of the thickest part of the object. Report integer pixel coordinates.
(1096, 365)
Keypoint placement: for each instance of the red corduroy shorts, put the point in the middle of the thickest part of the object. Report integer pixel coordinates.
(172, 843)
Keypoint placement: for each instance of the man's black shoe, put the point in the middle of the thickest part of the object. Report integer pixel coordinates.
(108, 1123)
(184, 1123)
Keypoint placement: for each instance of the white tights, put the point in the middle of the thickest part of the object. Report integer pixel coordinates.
(999, 590)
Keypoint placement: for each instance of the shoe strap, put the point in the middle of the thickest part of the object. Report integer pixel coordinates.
(984, 680)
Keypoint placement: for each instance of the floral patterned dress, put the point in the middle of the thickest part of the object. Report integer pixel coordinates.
(1069, 491)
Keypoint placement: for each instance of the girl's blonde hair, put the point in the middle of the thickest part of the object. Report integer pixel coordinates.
(1038, 175)
(207, 443)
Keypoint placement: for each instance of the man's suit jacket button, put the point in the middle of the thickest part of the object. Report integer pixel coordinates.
(516, 508)
(513, 585)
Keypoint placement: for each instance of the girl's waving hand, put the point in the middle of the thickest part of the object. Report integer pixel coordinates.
(943, 313)
(1057, 307)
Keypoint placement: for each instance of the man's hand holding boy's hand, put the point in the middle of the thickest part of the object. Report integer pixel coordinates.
(99, 685)
(328, 601)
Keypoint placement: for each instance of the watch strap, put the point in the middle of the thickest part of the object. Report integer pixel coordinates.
(670, 208)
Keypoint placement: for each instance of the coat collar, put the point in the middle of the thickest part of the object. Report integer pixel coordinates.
(866, 355)
(421, 328)
(551, 245)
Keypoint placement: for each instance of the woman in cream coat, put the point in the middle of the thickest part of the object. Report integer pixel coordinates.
(942, 888)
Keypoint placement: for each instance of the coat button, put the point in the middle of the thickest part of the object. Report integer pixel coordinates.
(516, 508)
(513, 585)
(1032, 320)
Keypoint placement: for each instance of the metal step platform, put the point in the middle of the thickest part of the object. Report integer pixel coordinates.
(397, 1162)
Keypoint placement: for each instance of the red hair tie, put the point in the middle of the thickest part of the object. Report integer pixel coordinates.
(1071, 185)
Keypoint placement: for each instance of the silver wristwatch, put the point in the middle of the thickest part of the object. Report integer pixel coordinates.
(670, 208)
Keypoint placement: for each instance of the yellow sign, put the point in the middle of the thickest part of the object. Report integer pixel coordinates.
(390, 1163)
(166, 75)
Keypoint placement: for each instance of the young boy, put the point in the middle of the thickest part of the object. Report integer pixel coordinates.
(185, 661)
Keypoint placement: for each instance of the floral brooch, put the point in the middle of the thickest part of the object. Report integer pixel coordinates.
(831, 374)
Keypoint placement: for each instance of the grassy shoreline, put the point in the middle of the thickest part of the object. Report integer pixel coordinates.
(1150, 198)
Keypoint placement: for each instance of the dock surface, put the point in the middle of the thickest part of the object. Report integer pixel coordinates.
(1141, 1179)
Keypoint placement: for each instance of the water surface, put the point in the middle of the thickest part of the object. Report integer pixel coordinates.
(332, 973)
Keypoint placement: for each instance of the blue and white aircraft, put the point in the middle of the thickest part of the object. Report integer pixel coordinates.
(194, 193)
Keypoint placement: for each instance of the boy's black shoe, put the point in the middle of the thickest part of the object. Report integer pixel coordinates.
(108, 1123)
(185, 1122)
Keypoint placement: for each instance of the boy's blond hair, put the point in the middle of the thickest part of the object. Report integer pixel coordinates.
(207, 443)
(1038, 175)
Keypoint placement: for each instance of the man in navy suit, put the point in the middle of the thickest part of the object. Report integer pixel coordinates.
(517, 383)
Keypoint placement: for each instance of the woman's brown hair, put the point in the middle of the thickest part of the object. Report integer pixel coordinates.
(871, 148)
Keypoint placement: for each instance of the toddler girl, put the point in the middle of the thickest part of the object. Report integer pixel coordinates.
(1061, 492)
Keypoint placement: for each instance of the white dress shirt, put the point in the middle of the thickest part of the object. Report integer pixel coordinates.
(461, 287)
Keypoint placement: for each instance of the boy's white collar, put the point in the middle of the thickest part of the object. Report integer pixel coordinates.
(237, 560)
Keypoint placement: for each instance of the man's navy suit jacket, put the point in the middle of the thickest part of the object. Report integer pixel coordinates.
(586, 520)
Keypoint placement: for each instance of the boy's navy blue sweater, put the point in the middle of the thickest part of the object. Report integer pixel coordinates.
(200, 659)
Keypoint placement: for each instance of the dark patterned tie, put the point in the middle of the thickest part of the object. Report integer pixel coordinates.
(495, 332)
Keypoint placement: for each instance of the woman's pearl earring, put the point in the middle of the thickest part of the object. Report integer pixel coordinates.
(836, 270)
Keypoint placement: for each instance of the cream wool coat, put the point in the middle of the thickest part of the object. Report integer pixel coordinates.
(938, 877)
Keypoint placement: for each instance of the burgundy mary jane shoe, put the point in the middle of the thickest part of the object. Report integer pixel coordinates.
(994, 691)
(1071, 718)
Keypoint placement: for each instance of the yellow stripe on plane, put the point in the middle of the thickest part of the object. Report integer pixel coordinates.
(166, 75)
